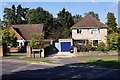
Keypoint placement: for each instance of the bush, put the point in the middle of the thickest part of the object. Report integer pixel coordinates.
(88, 47)
(101, 46)
(84, 48)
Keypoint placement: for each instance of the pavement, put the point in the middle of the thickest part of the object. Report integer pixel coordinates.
(61, 68)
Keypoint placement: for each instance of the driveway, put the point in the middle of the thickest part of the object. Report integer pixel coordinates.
(28, 71)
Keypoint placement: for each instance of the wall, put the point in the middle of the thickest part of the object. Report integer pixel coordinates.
(96, 53)
(86, 34)
(13, 49)
(1, 51)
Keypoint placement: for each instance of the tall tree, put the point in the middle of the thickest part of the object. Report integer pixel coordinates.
(93, 14)
(25, 21)
(113, 41)
(62, 25)
(7, 16)
(19, 14)
(77, 18)
(13, 13)
(111, 23)
(39, 15)
(65, 18)
(1, 24)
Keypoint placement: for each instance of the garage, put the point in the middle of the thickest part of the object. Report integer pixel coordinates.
(65, 46)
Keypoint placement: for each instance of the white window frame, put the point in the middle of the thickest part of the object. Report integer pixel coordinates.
(95, 30)
(79, 31)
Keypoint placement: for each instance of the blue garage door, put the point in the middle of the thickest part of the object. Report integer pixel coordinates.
(65, 46)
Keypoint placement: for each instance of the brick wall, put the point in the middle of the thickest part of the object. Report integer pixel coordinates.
(13, 49)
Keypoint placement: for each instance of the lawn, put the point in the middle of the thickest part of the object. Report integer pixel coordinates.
(102, 61)
(23, 58)
(95, 58)
(36, 60)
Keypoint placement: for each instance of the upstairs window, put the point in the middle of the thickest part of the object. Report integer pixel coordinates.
(95, 31)
(79, 31)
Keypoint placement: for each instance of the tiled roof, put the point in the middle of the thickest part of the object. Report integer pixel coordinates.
(89, 22)
(24, 30)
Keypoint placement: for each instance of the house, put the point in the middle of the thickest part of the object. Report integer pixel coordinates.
(89, 29)
(23, 31)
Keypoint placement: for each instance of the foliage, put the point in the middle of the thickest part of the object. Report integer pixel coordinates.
(36, 41)
(111, 23)
(113, 41)
(65, 18)
(77, 18)
(62, 24)
(1, 24)
(88, 46)
(40, 16)
(9, 38)
(15, 15)
(101, 46)
(61, 33)
(93, 14)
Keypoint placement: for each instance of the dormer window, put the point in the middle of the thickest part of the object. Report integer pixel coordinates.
(79, 31)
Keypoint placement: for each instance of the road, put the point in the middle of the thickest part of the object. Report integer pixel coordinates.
(28, 71)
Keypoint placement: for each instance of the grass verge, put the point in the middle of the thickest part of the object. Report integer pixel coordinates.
(36, 60)
(15, 54)
(102, 61)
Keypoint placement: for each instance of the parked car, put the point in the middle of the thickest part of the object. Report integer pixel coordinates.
(71, 49)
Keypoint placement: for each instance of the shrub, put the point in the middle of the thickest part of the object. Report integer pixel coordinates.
(88, 47)
(101, 46)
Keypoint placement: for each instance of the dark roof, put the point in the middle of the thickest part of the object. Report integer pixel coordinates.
(89, 22)
(24, 30)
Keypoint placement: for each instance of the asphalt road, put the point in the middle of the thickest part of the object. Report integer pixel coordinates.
(21, 70)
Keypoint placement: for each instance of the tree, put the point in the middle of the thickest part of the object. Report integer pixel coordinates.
(111, 23)
(7, 16)
(40, 16)
(36, 41)
(93, 14)
(77, 18)
(15, 15)
(19, 15)
(9, 38)
(65, 19)
(113, 41)
(62, 24)
(1, 24)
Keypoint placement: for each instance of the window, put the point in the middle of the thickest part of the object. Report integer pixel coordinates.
(95, 31)
(95, 42)
(79, 31)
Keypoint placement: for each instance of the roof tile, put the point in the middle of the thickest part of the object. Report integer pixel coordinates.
(89, 22)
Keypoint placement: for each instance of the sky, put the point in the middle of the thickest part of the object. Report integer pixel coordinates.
(76, 7)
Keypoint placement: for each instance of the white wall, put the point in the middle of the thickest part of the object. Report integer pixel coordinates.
(20, 41)
(86, 34)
